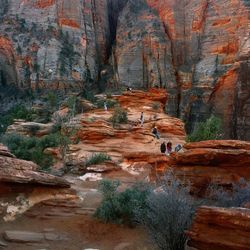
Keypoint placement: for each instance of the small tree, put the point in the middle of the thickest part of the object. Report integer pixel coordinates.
(167, 214)
(52, 100)
(119, 116)
(208, 130)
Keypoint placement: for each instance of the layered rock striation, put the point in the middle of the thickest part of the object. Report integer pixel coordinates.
(55, 41)
(220, 228)
(198, 50)
(13, 170)
(219, 163)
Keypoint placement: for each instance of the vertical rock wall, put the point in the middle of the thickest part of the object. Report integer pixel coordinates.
(197, 49)
(57, 40)
(207, 63)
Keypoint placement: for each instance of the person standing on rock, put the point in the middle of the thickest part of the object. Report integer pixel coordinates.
(163, 148)
(142, 119)
(155, 132)
(169, 148)
(105, 106)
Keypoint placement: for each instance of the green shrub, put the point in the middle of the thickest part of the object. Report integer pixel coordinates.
(16, 112)
(156, 106)
(209, 130)
(49, 141)
(109, 95)
(119, 116)
(34, 129)
(97, 158)
(120, 207)
(31, 148)
(110, 103)
(52, 100)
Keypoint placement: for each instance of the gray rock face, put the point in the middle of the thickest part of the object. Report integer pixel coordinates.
(197, 49)
(54, 40)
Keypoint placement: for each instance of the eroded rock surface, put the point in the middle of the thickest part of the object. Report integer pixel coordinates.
(20, 171)
(220, 228)
(212, 162)
(132, 146)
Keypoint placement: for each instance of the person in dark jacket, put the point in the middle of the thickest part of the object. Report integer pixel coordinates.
(163, 148)
(155, 132)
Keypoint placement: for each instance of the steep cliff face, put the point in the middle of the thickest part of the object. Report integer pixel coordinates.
(208, 49)
(56, 40)
(197, 49)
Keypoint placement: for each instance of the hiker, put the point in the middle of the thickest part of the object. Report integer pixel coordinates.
(155, 132)
(105, 106)
(178, 148)
(169, 148)
(163, 148)
(142, 119)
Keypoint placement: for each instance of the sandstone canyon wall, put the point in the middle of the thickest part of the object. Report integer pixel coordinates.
(198, 50)
(54, 40)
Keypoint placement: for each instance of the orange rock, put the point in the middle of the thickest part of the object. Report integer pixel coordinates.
(220, 229)
(69, 22)
(212, 162)
(44, 3)
(219, 144)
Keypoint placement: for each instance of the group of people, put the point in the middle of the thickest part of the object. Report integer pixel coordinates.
(164, 148)
(167, 149)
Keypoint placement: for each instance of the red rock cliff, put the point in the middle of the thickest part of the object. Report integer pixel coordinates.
(197, 49)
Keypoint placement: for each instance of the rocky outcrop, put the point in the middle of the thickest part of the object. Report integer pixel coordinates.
(30, 128)
(220, 228)
(8, 74)
(22, 186)
(132, 146)
(212, 162)
(13, 170)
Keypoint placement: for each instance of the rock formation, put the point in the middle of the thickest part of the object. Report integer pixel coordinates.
(212, 162)
(22, 186)
(197, 50)
(132, 146)
(220, 228)
(54, 41)
(30, 128)
(13, 170)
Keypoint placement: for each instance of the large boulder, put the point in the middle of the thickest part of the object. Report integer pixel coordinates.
(30, 128)
(13, 170)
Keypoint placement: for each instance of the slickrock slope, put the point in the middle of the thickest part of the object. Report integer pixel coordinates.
(133, 146)
(220, 229)
(212, 162)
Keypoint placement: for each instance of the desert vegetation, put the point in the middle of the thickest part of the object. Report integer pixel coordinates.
(97, 158)
(211, 129)
(119, 116)
(167, 211)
